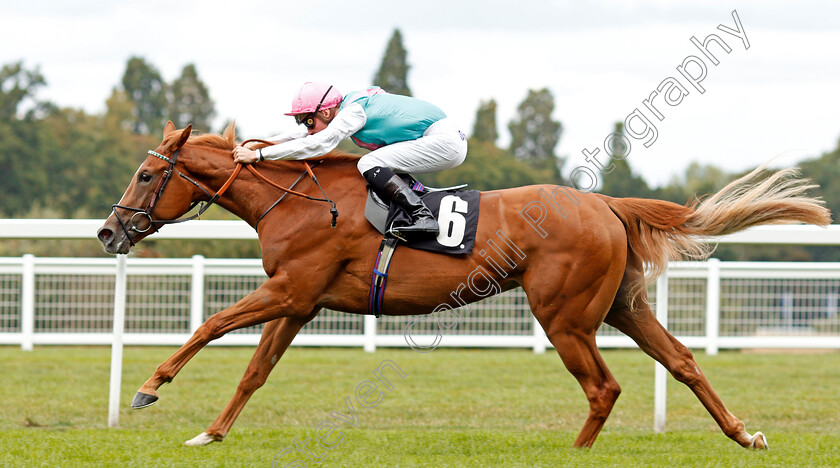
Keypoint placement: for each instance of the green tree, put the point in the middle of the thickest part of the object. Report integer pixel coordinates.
(534, 134)
(88, 161)
(190, 101)
(702, 179)
(17, 84)
(143, 84)
(618, 178)
(484, 129)
(825, 172)
(67, 140)
(697, 181)
(119, 112)
(23, 181)
(392, 75)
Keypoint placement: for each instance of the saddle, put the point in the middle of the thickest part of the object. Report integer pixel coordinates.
(456, 211)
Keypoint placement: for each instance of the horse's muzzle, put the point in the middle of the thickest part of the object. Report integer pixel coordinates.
(114, 242)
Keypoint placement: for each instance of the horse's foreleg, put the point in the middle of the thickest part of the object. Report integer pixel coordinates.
(266, 303)
(276, 338)
(653, 339)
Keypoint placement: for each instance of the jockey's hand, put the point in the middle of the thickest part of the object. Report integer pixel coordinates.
(244, 155)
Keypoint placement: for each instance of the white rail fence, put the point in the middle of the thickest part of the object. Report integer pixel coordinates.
(80, 301)
(710, 305)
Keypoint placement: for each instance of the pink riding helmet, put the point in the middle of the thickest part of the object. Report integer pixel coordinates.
(310, 94)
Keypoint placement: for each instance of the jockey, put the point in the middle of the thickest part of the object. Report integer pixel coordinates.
(404, 135)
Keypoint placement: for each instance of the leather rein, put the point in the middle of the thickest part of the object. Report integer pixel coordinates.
(145, 214)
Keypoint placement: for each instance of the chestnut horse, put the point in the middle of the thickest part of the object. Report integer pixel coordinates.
(580, 258)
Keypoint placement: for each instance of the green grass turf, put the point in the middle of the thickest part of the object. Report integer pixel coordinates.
(454, 408)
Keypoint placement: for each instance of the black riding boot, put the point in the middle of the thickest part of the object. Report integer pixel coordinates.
(386, 183)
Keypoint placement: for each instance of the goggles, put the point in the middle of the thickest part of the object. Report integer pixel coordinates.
(308, 120)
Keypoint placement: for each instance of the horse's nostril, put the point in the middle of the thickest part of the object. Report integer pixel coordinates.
(105, 235)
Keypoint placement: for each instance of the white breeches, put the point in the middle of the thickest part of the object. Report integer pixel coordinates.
(442, 146)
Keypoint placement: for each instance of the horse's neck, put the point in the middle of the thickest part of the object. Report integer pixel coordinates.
(249, 198)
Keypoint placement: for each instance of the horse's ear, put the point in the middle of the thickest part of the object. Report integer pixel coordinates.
(230, 132)
(169, 127)
(185, 134)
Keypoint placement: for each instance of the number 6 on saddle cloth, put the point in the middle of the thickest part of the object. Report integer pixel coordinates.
(456, 212)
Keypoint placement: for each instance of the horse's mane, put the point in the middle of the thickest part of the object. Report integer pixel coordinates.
(211, 140)
(226, 141)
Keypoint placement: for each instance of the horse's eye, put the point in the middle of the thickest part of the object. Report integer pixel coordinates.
(145, 177)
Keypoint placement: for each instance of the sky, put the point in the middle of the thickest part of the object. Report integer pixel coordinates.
(601, 60)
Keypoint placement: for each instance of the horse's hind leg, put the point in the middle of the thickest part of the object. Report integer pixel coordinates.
(582, 359)
(276, 338)
(570, 318)
(641, 325)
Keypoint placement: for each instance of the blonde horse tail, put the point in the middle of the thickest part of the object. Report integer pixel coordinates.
(658, 231)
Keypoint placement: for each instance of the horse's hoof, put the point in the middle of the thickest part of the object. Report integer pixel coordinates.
(201, 440)
(142, 400)
(759, 442)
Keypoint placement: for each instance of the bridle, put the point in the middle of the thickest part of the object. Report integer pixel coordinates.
(146, 213)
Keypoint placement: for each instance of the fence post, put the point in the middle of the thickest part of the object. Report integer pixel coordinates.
(370, 333)
(117, 343)
(660, 375)
(197, 293)
(831, 304)
(27, 302)
(539, 336)
(713, 307)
